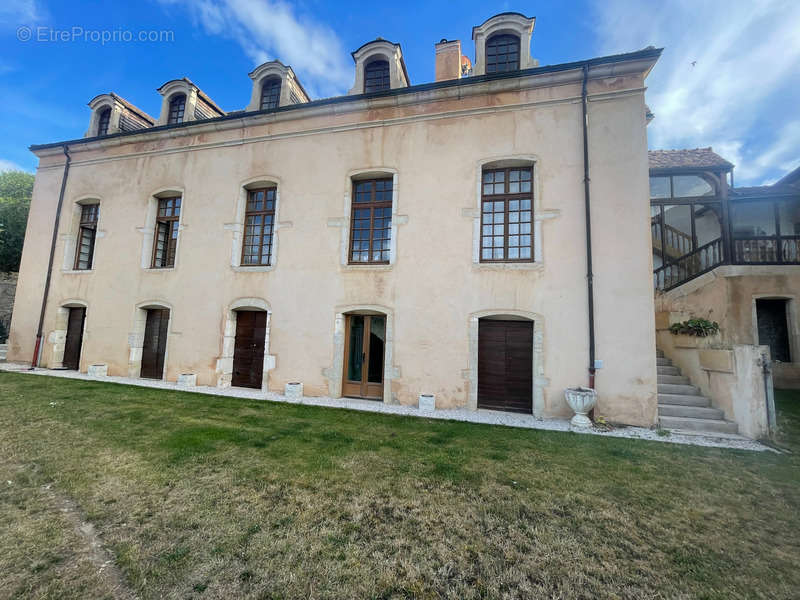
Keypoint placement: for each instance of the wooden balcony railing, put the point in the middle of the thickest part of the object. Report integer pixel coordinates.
(676, 242)
(689, 266)
(766, 250)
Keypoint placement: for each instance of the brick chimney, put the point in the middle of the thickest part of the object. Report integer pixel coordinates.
(448, 60)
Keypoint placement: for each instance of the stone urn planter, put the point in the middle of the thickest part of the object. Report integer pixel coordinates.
(427, 402)
(187, 380)
(294, 391)
(97, 370)
(581, 400)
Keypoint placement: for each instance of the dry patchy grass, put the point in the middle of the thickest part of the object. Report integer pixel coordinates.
(201, 497)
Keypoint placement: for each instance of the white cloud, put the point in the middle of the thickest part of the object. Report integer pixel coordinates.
(268, 30)
(728, 70)
(14, 13)
(7, 165)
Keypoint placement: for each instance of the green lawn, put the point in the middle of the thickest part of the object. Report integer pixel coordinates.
(202, 497)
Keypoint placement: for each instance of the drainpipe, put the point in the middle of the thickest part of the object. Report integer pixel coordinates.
(587, 201)
(38, 347)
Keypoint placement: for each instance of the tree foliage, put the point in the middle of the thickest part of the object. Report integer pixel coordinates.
(16, 188)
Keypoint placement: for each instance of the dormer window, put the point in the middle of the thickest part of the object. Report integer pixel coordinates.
(177, 106)
(503, 44)
(379, 66)
(112, 114)
(104, 121)
(275, 85)
(376, 76)
(270, 93)
(502, 53)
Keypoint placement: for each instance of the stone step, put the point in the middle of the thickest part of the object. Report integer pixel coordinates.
(3, 352)
(712, 425)
(668, 370)
(683, 400)
(678, 388)
(659, 353)
(694, 412)
(663, 361)
(675, 379)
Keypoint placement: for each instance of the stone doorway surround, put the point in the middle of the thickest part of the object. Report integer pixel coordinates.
(335, 372)
(539, 380)
(224, 368)
(58, 337)
(136, 336)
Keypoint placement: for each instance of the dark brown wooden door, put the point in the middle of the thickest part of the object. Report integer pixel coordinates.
(248, 349)
(155, 343)
(505, 365)
(773, 329)
(365, 348)
(72, 346)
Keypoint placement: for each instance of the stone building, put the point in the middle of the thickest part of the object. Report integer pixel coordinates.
(401, 239)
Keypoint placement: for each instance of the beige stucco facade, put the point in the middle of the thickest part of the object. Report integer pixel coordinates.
(433, 143)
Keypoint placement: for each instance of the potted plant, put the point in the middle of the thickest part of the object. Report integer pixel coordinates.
(581, 400)
(695, 327)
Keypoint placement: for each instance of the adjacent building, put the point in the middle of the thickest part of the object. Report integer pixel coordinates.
(481, 238)
(728, 254)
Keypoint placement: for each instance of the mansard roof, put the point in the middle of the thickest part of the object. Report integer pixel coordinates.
(647, 57)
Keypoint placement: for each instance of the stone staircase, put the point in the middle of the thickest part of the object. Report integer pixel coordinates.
(681, 406)
(3, 352)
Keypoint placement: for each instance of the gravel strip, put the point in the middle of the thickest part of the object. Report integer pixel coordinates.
(486, 417)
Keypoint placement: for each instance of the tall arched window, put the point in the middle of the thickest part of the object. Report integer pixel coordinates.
(103, 121)
(177, 105)
(376, 76)
(270, 93)
(502, 53)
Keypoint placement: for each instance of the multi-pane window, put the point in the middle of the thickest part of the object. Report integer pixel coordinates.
(104, 121)
(376, 76)
(507, 215)
(371, 225)
(177, 106)
(166, 233)
(271, 93)
(502, 53)
(258, 226)
(84, 254)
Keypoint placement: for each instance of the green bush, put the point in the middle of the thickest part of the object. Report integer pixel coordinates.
(3, 333)
(697, 327)
(16, 188)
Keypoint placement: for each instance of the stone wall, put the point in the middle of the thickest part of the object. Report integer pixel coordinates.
(8, 285)
(728, 295)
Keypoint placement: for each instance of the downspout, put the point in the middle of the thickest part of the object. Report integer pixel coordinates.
(38, 346)
(587, 201)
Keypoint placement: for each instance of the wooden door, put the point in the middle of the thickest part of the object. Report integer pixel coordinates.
(773, 330)
(72, 346)
(248, 349)
(364, 352)
(155, 343)
(505, 365)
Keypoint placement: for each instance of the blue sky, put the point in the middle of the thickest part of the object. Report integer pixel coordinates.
(728, 77)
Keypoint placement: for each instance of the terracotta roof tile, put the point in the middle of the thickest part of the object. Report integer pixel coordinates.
(763, 191)
(696, 158)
